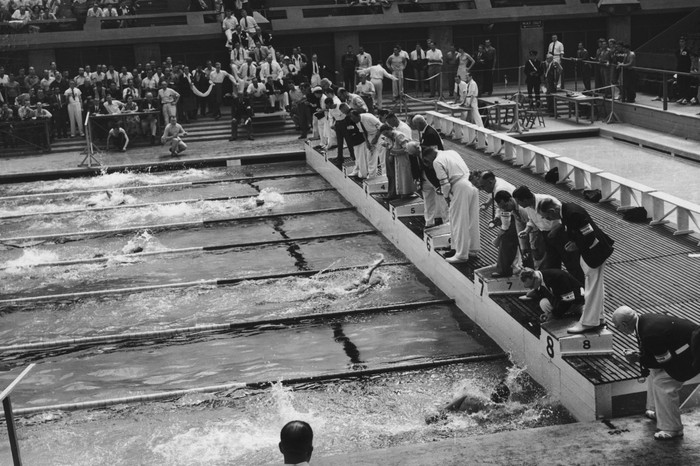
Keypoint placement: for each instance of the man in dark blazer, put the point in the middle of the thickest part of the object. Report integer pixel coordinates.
(558, 291)
(533, 76)
(666, 360)
(435, 206)
(595, 247)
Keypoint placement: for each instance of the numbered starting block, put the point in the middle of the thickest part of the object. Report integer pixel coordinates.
(378, 185)
(348, 169)
(438, 237)
(493, 286)
(406, 208)
(557, 342)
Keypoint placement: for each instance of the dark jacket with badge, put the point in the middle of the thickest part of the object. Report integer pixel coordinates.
(561, 289)
(665, 343)
(430, 137)
(593, 245)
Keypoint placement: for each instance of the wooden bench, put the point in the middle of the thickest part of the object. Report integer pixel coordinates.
(685, 212)
(457, 127)
(437, 120)
(582, 173)
(610, 184)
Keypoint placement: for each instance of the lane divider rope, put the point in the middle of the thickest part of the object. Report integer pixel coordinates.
(217, 328)
(168, 226)
(160, 396)
(205, 282)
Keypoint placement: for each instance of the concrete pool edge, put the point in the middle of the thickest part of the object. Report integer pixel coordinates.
(585, 399)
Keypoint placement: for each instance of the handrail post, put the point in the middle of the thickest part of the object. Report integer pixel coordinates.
(11, 431)
(664, 83)
(9, 418)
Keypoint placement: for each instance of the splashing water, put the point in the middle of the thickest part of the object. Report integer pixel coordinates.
(29, 258)
(237, 438)
(143, 242)
(111, 180)
(109, 198)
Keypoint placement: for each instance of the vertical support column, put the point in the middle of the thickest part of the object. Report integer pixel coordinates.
(144, 53)
(620, 28)
(40, 59)
(11, 431)
(531, 38)
(341, 40)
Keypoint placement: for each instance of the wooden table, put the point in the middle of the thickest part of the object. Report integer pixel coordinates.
(592, 101)
(505, 105)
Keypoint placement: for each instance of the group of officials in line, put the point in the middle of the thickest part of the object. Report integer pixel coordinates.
(537, 234)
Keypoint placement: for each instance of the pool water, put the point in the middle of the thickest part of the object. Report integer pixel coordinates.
(655, 169)
(239, 426)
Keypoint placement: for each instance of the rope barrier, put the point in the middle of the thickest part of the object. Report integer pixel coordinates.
(217, 247)
(216, 328)
(426, 79)
(205, 282)
(166, 226)
(160, 396)
(158, 185)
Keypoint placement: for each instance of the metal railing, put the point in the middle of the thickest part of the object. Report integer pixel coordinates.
(664, 82)
(9, 415)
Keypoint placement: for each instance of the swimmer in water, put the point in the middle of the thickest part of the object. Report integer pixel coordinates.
(366, 281)
(471, 404)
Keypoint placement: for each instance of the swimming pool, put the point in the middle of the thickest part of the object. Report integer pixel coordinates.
(650, 167)
(89, 247)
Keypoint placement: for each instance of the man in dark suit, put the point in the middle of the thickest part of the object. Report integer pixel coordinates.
(435, 206)
(558, 291)
(594, 247)
(533, 76)
(666, 360)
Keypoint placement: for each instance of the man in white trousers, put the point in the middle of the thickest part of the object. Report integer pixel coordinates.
(472, 101)
(462, 199)
(365, 156)
(376, 75)
(75, 109)
(556, 49)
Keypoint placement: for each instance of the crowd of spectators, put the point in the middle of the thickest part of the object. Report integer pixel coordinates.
(35, 15)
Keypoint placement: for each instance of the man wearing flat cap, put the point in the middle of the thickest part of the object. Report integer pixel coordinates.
(666, 358)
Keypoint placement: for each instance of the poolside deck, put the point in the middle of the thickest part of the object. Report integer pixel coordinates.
(646, 260)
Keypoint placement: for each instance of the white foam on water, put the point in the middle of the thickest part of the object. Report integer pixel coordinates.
(109, 198)
(110, 180)
(29, 258)
(143, 241)
(224, 442)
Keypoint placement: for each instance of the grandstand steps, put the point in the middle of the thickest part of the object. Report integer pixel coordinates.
(201, 130)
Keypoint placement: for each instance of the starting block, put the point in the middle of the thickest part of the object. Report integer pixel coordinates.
(557, 342)
(378, 185)
(438, 237)
(494, 286)
(406, 208)
(347, 169)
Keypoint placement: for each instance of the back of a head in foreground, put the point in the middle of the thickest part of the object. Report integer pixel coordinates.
(296, 442)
